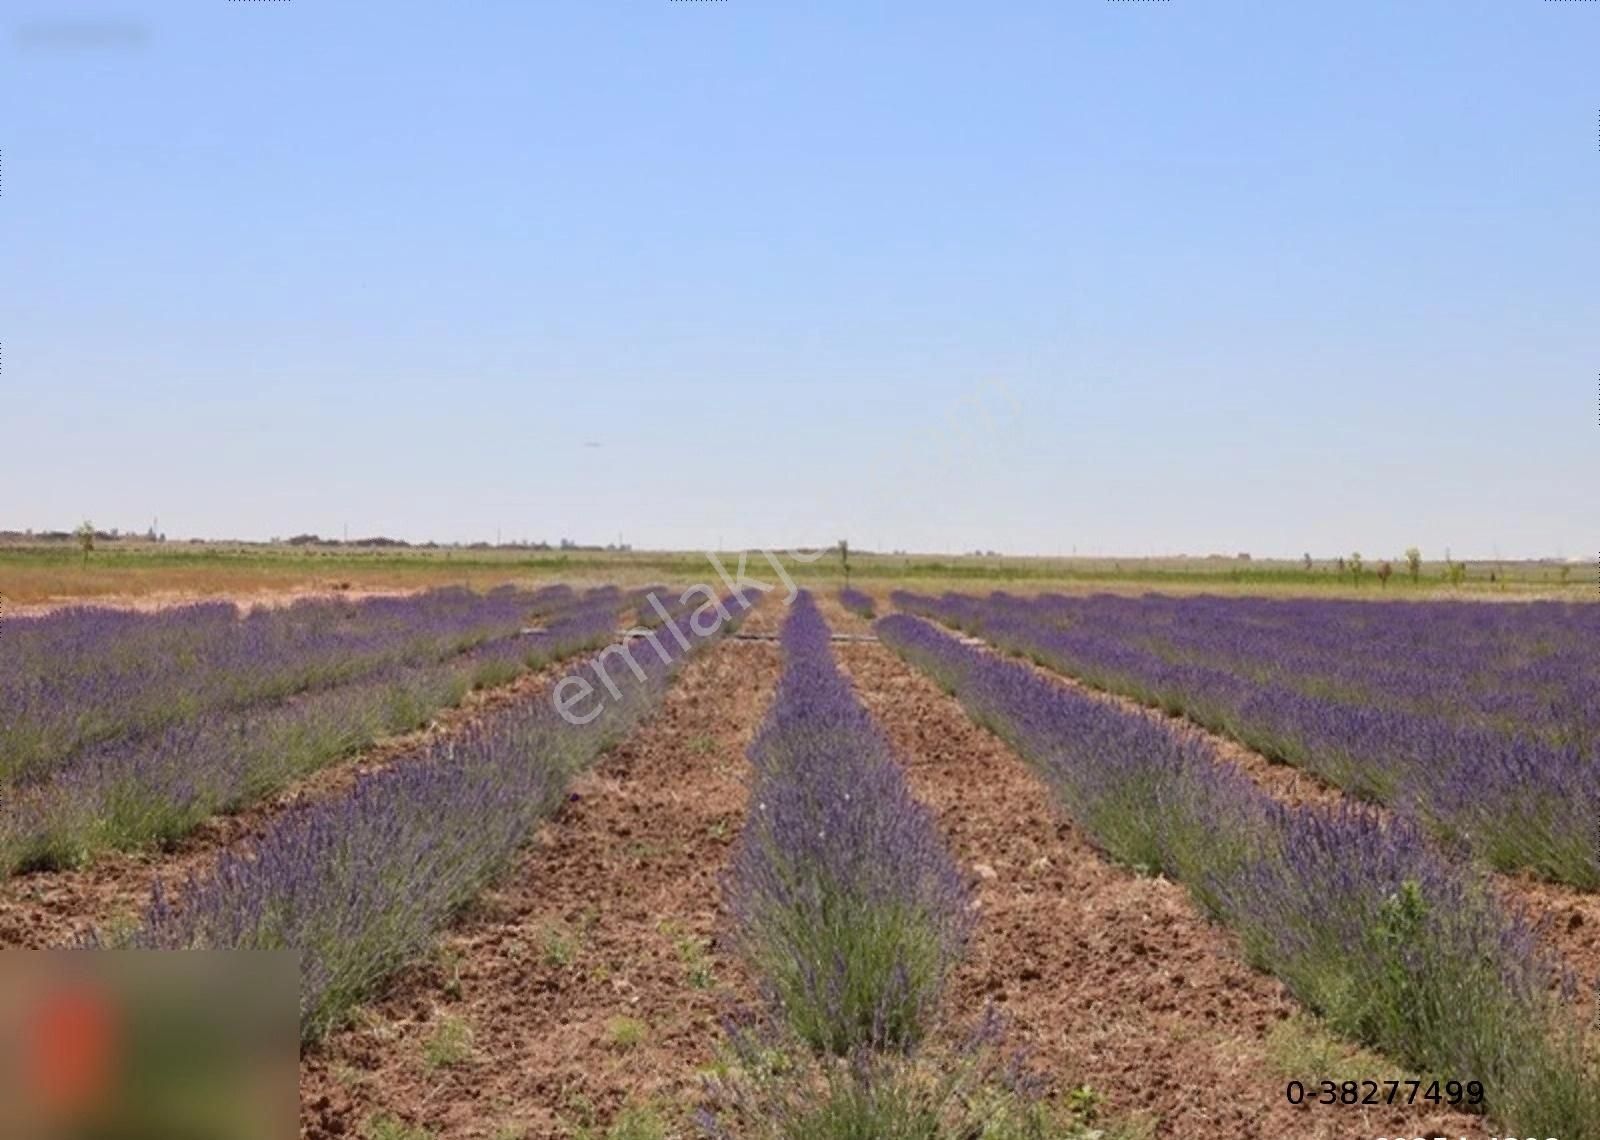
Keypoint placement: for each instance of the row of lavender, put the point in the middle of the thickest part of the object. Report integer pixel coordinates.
(362, 884)
(157, 787)
(858, 602)
(1481, 721)
(1526, 668)
(1393, 944)
(845, 899)
(87, 675)
(851, 913)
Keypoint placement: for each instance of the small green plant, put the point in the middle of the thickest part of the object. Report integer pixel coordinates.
(626, 1032)
(450, 967)
(1355, 567)
(703, 745)
(637, 1123)
(581, 1111)
(1084, 1103)
(346, 1074)
(696, 962)
(449, 1044)
(390, 1128)
(643, 852)
(557, 948)
(1302, 1048)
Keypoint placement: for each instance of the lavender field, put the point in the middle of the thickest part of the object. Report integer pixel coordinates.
(200, 710)
(1481, 722)
(1384, 937)
(751, 879)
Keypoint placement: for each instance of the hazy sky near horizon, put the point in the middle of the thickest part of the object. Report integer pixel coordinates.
(1204, 275)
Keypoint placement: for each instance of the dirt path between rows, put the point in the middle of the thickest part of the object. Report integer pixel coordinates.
(1110, 979)
(590, 981)
(55, 908)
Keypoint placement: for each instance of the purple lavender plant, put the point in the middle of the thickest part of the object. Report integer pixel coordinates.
(858, 602)
(843, 896)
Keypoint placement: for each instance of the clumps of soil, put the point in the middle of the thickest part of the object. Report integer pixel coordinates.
(591, 982)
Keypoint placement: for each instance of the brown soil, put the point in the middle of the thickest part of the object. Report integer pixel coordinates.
(56, 908)
(605, 932)
(841, 620)
(1109, 979)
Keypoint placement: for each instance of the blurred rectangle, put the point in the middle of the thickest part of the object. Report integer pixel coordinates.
(149, 1045)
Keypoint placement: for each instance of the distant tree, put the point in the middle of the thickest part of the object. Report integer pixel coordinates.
(1355, 567)
(1414, 563)
(1457, 572)
(85, 533)
(844, 558)
(1566, 574)
(1305, 560)
(1341, 565)
(1384, 570)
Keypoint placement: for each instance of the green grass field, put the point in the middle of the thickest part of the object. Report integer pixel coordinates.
(41, 572)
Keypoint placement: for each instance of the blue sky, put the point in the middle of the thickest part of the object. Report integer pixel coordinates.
(1205, 275)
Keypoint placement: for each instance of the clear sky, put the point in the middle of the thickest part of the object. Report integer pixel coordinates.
(1035, 276)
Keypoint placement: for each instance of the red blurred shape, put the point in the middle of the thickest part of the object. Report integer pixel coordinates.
(70, 1047)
